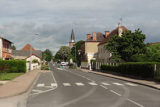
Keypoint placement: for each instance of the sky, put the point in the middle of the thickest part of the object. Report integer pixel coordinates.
(47, 24)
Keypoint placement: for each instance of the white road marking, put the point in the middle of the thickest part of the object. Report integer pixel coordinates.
(36, 90)
(115, 93)
(104, 87)
(131, 84)
(48, 89)
(40, 85)
(81, 76)
(54, 84)
(135, 103)
(118, 84)
(92, 83)
(79, 84)
(67, 84)
(104, 83)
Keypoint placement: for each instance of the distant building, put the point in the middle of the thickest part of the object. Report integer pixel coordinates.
(104, 55)
(28, 53)
(72, 40)
(5, 49)
(90, 47)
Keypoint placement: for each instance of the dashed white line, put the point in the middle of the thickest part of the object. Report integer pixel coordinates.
(135, 103)
(115, 93)
(104, 83)
(104, 87)
(54, 84)
(36, 90)
(79, 84)
(118, 84)
(67, 84)
(131, 84)
(40, 85)
(92, 83)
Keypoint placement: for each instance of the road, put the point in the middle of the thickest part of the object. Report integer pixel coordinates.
(74, 88)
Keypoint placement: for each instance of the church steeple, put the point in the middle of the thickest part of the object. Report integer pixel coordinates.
(72, 36)
(72, 40)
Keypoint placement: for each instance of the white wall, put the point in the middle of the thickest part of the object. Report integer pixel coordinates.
(0, 47)
(33, 65)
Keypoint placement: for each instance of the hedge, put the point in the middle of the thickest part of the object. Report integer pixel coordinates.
(140, 69)
(44, 67)
(12, 66)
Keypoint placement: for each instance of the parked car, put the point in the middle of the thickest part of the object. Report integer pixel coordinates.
(64, 63)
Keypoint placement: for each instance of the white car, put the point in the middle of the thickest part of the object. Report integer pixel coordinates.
(64, 63)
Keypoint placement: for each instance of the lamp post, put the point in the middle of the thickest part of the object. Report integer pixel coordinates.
(30, 64)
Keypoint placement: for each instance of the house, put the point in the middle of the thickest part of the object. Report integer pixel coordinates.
(103, 55)
(5, 49)
(29, 54)
(90, 47)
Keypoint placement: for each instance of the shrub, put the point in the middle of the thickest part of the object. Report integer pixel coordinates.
(12, 66)
(140, 69)
(44, 67)
(35, 61)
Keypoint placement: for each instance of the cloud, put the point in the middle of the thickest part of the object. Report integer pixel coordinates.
(53, 20)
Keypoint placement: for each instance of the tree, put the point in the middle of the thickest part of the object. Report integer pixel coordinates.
(131, 43)
(75, 51)
(13, 47)
(47, 55)
(63, 53)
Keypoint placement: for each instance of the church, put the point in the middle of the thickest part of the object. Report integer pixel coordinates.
(72, 40)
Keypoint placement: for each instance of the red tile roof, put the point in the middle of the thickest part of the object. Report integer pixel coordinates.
(28, 47)
(112, 33)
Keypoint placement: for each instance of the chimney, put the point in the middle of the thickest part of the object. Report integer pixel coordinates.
(88, 36)
(94, 36)
(106, 33)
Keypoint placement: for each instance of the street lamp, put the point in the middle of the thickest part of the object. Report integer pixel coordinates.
(30, 64)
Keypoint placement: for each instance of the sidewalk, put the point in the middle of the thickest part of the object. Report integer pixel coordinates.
(138, 81)
(19, 85)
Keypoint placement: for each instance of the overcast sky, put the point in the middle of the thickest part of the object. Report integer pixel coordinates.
(53, 20)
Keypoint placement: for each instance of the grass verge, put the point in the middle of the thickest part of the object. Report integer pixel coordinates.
(9, 76)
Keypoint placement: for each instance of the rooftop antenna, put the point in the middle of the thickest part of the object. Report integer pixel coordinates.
(121, 19)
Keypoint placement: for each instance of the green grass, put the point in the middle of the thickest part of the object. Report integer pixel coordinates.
(9, 76)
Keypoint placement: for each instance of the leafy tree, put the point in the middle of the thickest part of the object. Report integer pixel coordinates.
(75, 51)
(13, 47)
(152, 54)
(131, 43)
(47, 55)
(63, 53)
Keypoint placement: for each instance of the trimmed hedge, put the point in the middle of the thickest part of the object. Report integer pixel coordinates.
(140, 69)
(12, 66)
(44, 67)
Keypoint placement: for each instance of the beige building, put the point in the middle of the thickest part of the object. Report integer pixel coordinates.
(103, 55)
(90, 46)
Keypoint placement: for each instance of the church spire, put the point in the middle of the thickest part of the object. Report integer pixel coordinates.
(72, 36)
(72, 40)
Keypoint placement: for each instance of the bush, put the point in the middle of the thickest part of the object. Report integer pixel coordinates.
(44, 67)
(12, 66)
(35, 61)
(139, 69)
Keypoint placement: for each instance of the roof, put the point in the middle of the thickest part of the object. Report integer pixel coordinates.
(72, 36)
(27, 53)
(99, 37)
(112, 33)
(6, 39)
(32, 55)
(28, 47)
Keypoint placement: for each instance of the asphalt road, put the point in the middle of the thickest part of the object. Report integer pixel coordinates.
(73, 88)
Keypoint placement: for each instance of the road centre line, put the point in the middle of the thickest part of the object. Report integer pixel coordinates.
(81, 76)
(92, 83)
(135, 103)
(115, 93)
(104, 87)
(40, 85)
